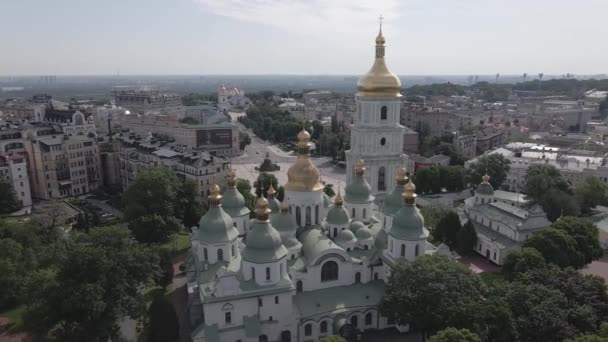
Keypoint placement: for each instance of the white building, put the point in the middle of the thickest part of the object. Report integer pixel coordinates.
(228, 99)
(13, 167)
(377, 135)
(501, 227)
(307, 271)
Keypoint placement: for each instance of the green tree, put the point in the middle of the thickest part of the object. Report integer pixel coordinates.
(164, 324)
(590, 193)
(154, 228)
(556, 247)
(447, 229)
(329, 190)
(432, 293)
(586, 235)
(495, 165)
(333, 338)
(12, 272)
(188, 203)
(166, 273)
(546, 186)
(466, 240)
(244, 140)
(154, 191)
(262, 184)
(244, 187)
(97, 284)
(522, 261)
(8, 198)
(455, 335)
(428, 180)
(557, 203)
(432, 216)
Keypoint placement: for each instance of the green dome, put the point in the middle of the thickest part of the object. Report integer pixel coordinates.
(485, 189)
(263, 243)
(345, 236)
(338, 215)
(359, 191)
(380, 241)
(274, 205)
(355, 225)
(363, 233)
(233, 203)
(216, 226)
(394, 201)
(286, 225)
(408, 224)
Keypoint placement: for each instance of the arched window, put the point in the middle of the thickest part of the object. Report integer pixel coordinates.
(253, 273)
(329, 271)
(205, 256)
(335, 231)
(276, 299)
(352, 213)
(323, 328)
(298, 216)
(390, 245)
(376, 276)
(317, 214)
(368, 319)
(365, 247)
(299, 286)
(263, 338)
(308, 216)
(232, 250)
(381, 180)
(354, 321)
(416, 250)
(383, 112)
(267, 273)
(357, 277)
(220, 255)
(402, 250)
(307, 330)
(364, 213)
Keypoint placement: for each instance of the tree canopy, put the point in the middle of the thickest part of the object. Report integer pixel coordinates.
(590, 193)
(546, 186)
(455, 335)
(8, 198)
(495, 165)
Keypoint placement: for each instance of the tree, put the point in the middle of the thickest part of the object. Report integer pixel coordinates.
(556, 247)
(455, 335)
(244, 140)
(8, 198)
(590, 193)
(466, 240)
(432, 293)
(428, 180)
(268, 166)
(164, 324)
(262, 184)
(329, 190)
(546, 186)
(557, 203)
(11, 272)
(333, 338)
(154, 228)
(432, 216)
(447, 229)
(166, 268)
(244, 187)
(522, 261)
(97, 284)
(189, 204)
(586, 236)
(154, 191)
(495, 165)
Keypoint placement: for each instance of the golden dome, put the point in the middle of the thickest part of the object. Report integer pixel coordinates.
(485, 178)
(303, 175)
(379, 81)
(410, 190)
(401, 177)
(215, 197)
(338, 200)
(262, 209)
(271, 191)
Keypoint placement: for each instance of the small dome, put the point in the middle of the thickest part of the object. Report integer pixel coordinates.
(363, 233)
(379, 81)
(408, 224)
(338, 215)
(394, 201)
(345, 236)
(234, 203)
(359, 191)
(274, 205)
(355, 225)
(380, 241)
(216, 226)
(304, 136)
(286, 225)
(263, 243)
(485, 189)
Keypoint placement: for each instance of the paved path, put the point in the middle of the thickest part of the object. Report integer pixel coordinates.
(103, 205)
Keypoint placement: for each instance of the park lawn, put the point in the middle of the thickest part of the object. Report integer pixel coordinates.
(178, 244)
(15, 317)
(491, 277)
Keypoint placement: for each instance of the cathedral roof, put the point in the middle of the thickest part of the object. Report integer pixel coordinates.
(394, 201)
(379, 81)
(216, 225)
(408, 223)
(345, 236)
(233, 201)
(338, 215)
(263, 242)
(359, 190)
(303, 175)
(485, 188)
(363, 233)
(286, 225)
(355, 225)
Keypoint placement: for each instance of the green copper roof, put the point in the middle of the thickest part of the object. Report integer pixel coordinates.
(359, 191)
(263, 244)
(408, 224)
(286, 225)
(394, 201)
(485, 189)
(363, 233)
(381, 239)
(345, 236)
(274, 205)
(216, 226)
(234, 203)
(338, 215)
(315, 243)
(355, 225)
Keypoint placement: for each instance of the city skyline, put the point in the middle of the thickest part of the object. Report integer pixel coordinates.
(317, 37)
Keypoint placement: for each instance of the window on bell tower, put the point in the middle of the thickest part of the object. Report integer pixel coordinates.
(383, 112)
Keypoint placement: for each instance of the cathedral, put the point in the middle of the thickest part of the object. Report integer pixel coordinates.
(309, 266)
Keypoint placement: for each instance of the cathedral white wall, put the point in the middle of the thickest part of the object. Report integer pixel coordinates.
(360, 211)
(229, 251)
(276, 271)
(332, 230)
(394, 248)
(302, 200)
(311, 280)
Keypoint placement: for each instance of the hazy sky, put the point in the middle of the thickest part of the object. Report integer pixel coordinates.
(301, 36)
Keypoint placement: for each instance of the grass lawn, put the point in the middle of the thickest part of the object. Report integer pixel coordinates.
(178, 244)
(491, 277)
(15, 316)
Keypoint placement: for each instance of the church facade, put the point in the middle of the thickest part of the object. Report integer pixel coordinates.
(305, 268)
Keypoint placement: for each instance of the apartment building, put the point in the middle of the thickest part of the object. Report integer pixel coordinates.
(13, 167)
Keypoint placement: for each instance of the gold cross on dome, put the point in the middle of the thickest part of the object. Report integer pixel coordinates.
(380, 18)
